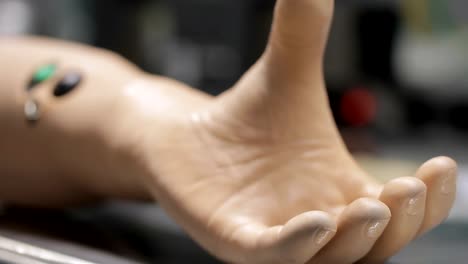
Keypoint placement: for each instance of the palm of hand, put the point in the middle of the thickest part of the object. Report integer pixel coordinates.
(250, 197)
(260, 174)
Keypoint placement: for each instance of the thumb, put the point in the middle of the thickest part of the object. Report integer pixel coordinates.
(298, 37)
(285, 88)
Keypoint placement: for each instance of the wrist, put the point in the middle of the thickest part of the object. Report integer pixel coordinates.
(155, 122)
(111, 157)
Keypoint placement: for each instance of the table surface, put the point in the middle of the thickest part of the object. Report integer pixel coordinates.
(143, 233)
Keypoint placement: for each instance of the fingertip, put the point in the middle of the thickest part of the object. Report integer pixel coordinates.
(406, 198)
(304, 235)
(309, 224)
(440, 176)
(373, 212)
(360, 225)
(402, 188)
(437, 166)
(369, 208)
(311, 220)
(444, 161)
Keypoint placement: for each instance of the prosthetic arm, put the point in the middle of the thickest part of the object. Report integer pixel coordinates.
(257, 175)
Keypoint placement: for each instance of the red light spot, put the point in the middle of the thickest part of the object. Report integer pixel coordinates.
(358, 107)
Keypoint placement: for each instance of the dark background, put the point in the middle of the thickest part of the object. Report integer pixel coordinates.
(393, 66)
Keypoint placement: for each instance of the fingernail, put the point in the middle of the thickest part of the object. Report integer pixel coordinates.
(416, 204)
(323, 235)
(375, 228)
(448, 182)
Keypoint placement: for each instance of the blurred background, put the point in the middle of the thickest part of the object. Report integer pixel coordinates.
(397, 74)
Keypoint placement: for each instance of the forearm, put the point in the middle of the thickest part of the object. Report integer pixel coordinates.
(73, 152)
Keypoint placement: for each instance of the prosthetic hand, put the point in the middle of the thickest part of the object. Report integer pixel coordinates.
(257, 175)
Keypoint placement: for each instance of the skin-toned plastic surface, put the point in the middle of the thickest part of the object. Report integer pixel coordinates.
(259, 174)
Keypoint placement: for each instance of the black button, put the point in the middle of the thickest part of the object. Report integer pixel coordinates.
(67, 84)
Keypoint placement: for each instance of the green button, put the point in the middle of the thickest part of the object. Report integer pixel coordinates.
(42, 74)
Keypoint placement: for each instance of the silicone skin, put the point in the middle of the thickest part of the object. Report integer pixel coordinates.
(257, 175)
